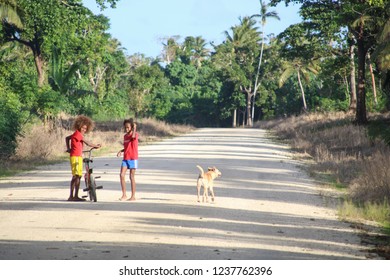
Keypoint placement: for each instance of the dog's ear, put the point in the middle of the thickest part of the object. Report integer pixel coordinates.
(210, 168)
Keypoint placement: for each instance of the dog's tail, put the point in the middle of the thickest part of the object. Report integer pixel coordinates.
(201, 171)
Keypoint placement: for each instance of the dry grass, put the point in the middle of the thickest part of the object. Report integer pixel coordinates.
(42, 145)
(374, 184)
(342, 153)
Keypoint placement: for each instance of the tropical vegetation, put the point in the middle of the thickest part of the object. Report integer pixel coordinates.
(57, 58)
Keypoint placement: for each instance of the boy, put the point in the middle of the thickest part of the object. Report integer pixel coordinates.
(74, 145)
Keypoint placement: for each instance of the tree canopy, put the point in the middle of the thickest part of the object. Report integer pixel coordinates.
(57, 57)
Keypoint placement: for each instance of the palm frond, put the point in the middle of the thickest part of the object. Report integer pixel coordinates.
(362, 20)
(287, 73)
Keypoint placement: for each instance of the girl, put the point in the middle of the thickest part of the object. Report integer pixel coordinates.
(74, 145)
(130, 157)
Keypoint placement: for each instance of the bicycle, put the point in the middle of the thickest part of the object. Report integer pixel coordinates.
(90, 183)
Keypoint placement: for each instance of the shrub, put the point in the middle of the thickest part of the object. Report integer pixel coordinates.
(9, 122)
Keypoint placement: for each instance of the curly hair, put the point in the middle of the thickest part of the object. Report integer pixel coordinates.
(130, 121)
(81, 121)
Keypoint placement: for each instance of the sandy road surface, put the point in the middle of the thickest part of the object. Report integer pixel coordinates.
(266, 207)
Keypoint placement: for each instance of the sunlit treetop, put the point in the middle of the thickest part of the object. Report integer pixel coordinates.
(380, 3)
(102, 3)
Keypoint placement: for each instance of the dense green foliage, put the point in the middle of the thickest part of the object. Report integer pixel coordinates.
(57, 57)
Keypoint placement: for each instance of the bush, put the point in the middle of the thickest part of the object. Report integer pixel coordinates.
(9, 122)
(40, 143)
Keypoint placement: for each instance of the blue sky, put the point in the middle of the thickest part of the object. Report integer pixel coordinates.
(143, 25)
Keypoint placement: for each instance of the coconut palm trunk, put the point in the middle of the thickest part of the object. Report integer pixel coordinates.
(372, 79)
(352, 104)
(302, 92)
(264, 14)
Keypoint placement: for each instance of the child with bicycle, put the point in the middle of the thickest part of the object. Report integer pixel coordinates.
(130, 157)
(74, 145)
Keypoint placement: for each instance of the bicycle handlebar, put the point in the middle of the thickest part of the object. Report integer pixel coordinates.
(90, 150)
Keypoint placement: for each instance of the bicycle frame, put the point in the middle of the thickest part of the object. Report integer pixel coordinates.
(90, 183)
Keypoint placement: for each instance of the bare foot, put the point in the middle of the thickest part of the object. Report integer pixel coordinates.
(123, 198)
(131, 198)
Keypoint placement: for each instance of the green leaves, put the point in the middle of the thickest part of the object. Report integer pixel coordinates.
(9, 121)
(59, 76)
(9, 13)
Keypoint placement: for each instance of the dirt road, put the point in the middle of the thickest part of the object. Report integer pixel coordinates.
(266, 207)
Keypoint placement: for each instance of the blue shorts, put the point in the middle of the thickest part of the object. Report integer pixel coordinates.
(130, 163)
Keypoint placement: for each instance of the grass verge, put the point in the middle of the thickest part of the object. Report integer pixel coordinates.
(353, 160)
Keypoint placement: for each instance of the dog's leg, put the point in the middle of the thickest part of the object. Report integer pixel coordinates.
(205, 192)
(198, 186)
(212, 192)
(200, 181)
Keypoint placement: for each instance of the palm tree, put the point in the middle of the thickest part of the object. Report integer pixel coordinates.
(59, 77)
(194, 51)
(263, 15)
(244, 37)
(171, 48)
(199, 51)
(367, 24)
(381, 54)
(300, 67)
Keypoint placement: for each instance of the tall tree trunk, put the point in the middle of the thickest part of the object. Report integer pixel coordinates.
(257, 83)
(352, 104)
(361, 113)
(248, 108)
(302, 91)
(39, 62)
(38, 59)
(234, 124)
(372, 79)
(347, 91)
(41, 74)
(249, 94)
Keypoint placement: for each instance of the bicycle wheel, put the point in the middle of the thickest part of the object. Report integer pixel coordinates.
(92, 189)
(86, 179)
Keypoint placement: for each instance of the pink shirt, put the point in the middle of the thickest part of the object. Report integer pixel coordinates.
(130, 147)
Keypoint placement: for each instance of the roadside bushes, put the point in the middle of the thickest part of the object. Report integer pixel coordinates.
(9, 122)
(38, 142)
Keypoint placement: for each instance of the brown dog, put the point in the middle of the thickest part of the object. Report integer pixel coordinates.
(207, 181)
